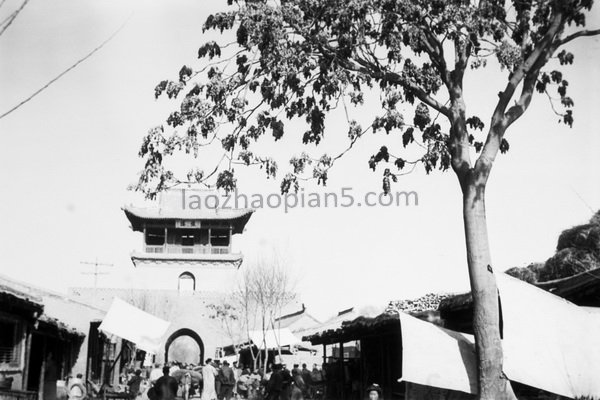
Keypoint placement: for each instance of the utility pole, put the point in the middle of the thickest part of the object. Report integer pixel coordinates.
(96, 264)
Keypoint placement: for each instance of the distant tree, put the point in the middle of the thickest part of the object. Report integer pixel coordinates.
(229, 312)
(303, 58)
(577, 251)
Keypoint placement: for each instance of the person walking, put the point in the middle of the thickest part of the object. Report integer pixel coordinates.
(306, 377)
(166, 386)
(227, 379)
(237, 373)
(134, 384)
(275, 385)
(209, 373)
(298, 387)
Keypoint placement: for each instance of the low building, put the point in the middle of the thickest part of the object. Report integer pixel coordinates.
(19, 313)
(46, 337)
(359, 350)
(379, 343)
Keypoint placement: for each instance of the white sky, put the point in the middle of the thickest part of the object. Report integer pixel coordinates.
(68, 156)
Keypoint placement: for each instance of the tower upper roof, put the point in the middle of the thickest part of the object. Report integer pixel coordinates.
(178, 204)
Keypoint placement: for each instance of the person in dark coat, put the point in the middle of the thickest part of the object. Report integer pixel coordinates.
(227, 379)
(275, 384)
(134, 384)
(306, 377)
(166, 386)
(286, 392)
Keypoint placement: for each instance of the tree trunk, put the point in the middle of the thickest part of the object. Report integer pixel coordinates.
(493, 385)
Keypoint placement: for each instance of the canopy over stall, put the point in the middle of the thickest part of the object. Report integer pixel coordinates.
(549, 343)
(273, 339)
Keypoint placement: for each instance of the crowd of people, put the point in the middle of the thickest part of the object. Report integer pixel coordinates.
(217, 380)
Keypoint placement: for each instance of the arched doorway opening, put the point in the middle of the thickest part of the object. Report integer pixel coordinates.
(186, 283)
(179, 343)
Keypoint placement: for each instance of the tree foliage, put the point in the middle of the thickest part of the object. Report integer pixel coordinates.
(299, 59)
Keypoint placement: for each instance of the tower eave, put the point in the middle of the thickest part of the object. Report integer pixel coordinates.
(137, 216)
(218, 261)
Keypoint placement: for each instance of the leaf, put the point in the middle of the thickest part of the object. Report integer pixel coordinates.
(407, 137)
(246, 156)
(210, 49)
(422, 117)
(277, 127)
(160, 88)
(475, 123)
(567, 101)
(355, 130)
(226, 181)
(228, 142)
(290, 181)
(556, 76)
(565, 57)
(504, 146)
(399, 163)
(568, 118)
(184, 73)
(372, 163)
(382, 154)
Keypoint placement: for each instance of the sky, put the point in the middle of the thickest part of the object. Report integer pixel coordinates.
(68, 156)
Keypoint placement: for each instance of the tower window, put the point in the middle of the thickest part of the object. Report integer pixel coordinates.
(187, 282)
(187, 240)
(155, 236)
(219, 237)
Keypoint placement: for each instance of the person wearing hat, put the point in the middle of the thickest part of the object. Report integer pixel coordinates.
(374, 392)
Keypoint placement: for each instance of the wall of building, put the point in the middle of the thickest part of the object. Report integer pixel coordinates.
(219, 277)
(77, 315)
(183, 310)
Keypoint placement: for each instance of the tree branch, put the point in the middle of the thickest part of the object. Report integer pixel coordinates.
(524, 68)
(575, 35)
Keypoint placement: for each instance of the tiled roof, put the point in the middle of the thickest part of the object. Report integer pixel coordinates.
(289, 319)
(581, 289)
(137, 215)
(60, 311)
(179, 213)
(362, 325)
(16, 294)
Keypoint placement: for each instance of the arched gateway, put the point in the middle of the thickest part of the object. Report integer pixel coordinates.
(185, 332)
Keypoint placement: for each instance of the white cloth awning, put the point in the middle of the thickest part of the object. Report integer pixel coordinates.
(135, 325)
(274, 338)
(437, 357)
(549, 343)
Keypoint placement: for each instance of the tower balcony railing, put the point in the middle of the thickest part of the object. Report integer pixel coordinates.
(180, 249)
